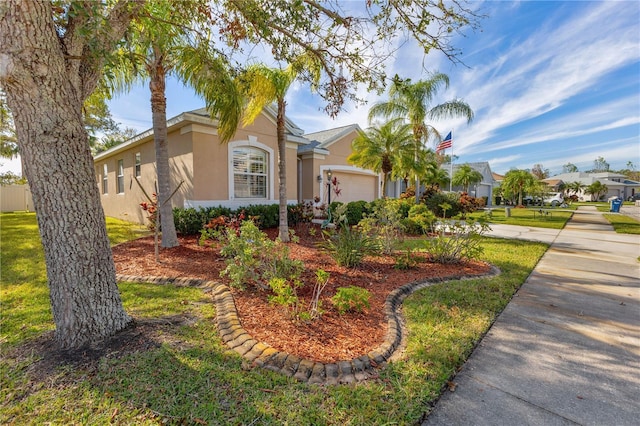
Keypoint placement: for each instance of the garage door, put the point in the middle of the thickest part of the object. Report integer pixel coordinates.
(356, 187)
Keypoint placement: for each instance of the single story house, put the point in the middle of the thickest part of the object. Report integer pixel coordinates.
(618, 185)
(242, 172)
(484, 188)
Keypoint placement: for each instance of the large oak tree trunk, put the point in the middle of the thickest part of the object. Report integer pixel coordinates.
(282, 172)
(46, 102)
(157, 86)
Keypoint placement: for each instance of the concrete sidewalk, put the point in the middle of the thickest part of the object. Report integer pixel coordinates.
(566, 350)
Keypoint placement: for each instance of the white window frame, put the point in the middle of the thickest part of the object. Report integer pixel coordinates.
(137, 158)
(105, 178)
(252, 143)
(120, 176)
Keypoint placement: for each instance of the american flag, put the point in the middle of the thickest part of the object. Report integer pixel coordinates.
(446, 143)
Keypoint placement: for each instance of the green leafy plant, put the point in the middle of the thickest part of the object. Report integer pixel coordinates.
(348, 246)
(315, 308)
(456, 241)
(351, 298)
(406, 260)
(436, 202)
(253, 258)
(285, 294)
(384, 224)
(421, 218)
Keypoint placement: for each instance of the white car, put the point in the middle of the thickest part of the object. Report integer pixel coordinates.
(555, 199)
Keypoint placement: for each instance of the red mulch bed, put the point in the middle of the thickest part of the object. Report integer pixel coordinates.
(333, 337)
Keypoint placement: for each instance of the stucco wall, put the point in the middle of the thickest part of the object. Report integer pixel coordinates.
(126, 205)
(355, 183)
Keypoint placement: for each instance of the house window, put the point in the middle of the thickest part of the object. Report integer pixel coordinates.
(137, 163)
(120, 180)
(249, 173)
(105, 179)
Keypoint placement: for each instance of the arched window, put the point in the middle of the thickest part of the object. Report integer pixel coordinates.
(250, 172)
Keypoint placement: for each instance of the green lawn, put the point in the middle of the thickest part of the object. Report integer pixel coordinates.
(623, 224)
(529, 216)
(190, 378)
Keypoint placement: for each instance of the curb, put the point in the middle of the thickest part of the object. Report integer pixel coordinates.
(262, 355)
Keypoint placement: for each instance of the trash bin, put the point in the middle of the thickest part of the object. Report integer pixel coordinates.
(615, 205)
(507, 211)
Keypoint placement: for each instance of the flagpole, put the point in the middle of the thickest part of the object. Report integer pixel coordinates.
(451, 165)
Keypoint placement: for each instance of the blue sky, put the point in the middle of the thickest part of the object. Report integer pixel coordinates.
(550, 82)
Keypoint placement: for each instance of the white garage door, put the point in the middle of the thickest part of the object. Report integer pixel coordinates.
(356, 187)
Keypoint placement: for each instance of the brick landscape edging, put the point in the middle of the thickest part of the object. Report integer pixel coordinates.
(262, 355)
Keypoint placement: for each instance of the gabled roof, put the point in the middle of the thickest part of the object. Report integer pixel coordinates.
(328, 137)
(320, 141)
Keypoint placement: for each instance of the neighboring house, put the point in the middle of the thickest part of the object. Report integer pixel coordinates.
(484, 188)
(618, 185)
(240, 173)
(328, 150)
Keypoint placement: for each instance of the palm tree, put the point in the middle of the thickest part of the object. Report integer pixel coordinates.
(466, 176)
(412, 102)
(438, 176)
(596, 189)
(263, 86)
(157, 49)
(518, 182)
(575, 187)
(381, 149)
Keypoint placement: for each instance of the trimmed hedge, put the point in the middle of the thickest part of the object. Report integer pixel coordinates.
(190, 221)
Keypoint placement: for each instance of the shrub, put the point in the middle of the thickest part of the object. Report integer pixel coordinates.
(348, 246)
(456, 241)
(351, 298)
(285, 294)
(253, 258)
(406, 260)
(356, 211)
(421, 218)
(300, 213)
(190, 221)
(269, 214)
(468, 204)
(384, 223)
(435, 202)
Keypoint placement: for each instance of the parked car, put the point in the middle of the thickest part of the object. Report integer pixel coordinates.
(634, 197)
(555, 199)
(530, 200)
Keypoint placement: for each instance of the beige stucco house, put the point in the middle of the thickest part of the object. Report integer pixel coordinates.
(328, 151)
(240, 173)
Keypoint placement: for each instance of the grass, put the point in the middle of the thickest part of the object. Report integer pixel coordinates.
(192, 378)
(557, 218)
(623, 224)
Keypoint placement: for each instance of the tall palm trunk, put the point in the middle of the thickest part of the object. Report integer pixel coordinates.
(157, 72)
(282, 171)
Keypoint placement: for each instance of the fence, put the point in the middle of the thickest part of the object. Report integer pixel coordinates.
(15, 198)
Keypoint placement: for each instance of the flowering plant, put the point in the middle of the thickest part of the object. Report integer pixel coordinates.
(152, 211)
